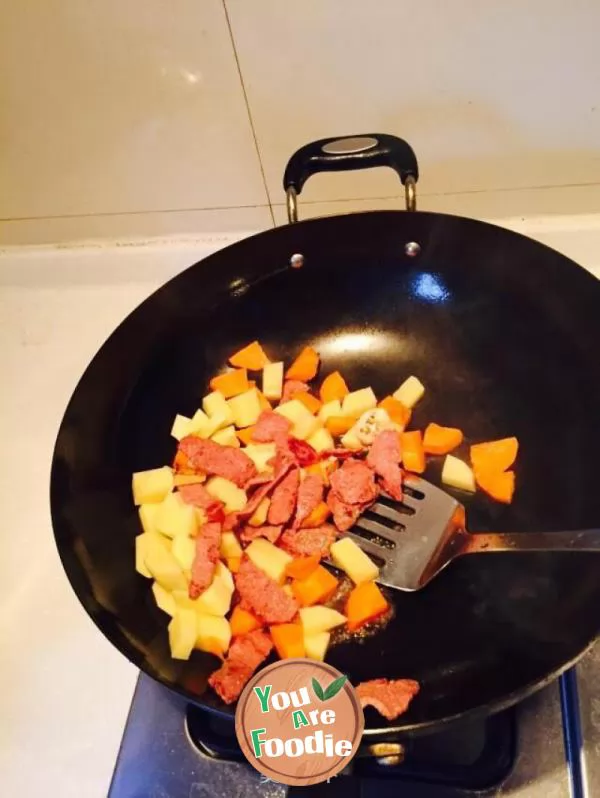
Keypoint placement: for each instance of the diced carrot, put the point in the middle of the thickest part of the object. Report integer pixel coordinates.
(288, 639)
(333, 387)
(441, 440)
(305, 366)
(251, 357)
(315, 588)
(495, 455)
(413, 454)
(215, 647)
(399, 413)
(302, 567)
(231, 383)
(500, 485)
(233, 563)
(245, 435)
(264, 402)
(309, 401)
(317, 517)
(365, 603)
(322, 469)
(242, 622)
(339, 425)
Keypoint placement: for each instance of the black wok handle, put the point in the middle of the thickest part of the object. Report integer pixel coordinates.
(345, 154)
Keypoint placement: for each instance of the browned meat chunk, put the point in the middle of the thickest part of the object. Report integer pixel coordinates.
(389, 697)
(344, 515)
(206, 558)
(310, 495)
(354, 483)
(270, 427)
(263, 596)
(244, 657)
(384, 456)
(283, 500)
(200, 497)
(264, 490)
(306, 542)
(271, 533)
(291, 388)
(224, 461)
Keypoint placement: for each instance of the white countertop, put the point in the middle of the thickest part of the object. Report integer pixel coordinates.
(64, 690)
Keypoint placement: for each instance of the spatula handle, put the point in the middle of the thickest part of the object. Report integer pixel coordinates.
(578, 540)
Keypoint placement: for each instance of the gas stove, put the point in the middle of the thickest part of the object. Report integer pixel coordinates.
(549, 745)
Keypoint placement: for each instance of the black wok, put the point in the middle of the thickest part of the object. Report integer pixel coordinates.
(505, 334)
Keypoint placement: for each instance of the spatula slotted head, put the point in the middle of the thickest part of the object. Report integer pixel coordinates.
(409, 539)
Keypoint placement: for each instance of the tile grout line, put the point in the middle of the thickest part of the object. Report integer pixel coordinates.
(252, 128)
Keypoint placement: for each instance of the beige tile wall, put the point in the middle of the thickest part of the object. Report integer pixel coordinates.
(149, 117)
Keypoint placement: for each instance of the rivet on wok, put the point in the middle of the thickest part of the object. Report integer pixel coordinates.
(412, 249)
(297, 261)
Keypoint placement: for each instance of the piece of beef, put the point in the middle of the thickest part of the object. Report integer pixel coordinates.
(264, 490)
(224, 461)
(389, 697)
(291, 388)
(310, 495)
(245, 655)
(262, 595)
(306, 542)
(384, 456)
(344, 515)
(354, 483)
(341, 454)
(250, 533)
(270, 426)
(283, 500)
(303, 452)
(206, 558)
(200, 497)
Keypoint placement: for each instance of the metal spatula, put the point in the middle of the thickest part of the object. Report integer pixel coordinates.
(414, 540)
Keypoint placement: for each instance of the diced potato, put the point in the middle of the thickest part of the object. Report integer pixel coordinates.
(348, 556)
(409, 392)
(164, 567)
(201, 425)
(288, 590)
(181, 427)
(259, 516)
(188, 479)
(216, 599)
(223, 573)
(175, 517)
(142, 544)
(272, 383)
(315, 645)
(320, 619)
(215, 405)
(233, 498)
(333, 408)
(147, 514)
(151, 486)
(269, 558)
(183, 632)
(164, 599)
(321, 440)
(226, 437)
(260, 454)
(355, 403)
(184, 551)
(458, 474)
(213, 635)
(304, 424)
(230, 545)
(351, 440)
(246, 408)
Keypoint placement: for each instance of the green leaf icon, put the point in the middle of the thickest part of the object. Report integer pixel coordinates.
(335, 687)
(318, 690)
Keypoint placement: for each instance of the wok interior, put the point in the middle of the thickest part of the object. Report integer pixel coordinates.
(473, 318)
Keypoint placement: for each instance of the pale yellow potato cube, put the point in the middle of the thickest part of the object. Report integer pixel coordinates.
(215, 406)
(315, 645)
(321, 440)
(355, 403)
(269, 558)
(259, 516)
(213, 635)
(201, 425)
(348, 556)
(216, 599)
(164, 567)
(260, 454)
(246, 408)
(457, 474)
(151, 486)
(181, 427)
(320, 619)
(184, 551)
(188, 479)
(223, 573)
(183, 632)
(142, 544)
(175, 517)
(272, 381)
(302, 420)
(226, 437)
(409, 392)
(351, 440)
(233, 498)
(333, 408)
(164, 599)
(230, 545)
(147, 513)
